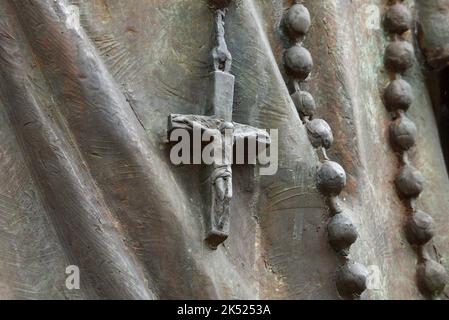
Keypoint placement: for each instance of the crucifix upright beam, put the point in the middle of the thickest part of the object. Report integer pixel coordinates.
(217, 117)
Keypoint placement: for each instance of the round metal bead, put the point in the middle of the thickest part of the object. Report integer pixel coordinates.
(320, 133)
(297, 21)
(331, 178)
(342, 233)
(298, 62)
(403, 133)
(398, 95)
(399, 56)
(398, 19)
(410, 182)
(432, 277)
(304, 102)
(351, 279)
(420, 228)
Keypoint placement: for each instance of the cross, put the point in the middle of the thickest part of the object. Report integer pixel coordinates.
(218, 118)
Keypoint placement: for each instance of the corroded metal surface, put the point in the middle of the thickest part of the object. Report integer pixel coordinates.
(85, 91)
(434, 31)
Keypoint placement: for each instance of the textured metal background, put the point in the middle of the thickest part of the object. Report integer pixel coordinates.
(85, 90)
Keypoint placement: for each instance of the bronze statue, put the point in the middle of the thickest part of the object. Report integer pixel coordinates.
(93, 207)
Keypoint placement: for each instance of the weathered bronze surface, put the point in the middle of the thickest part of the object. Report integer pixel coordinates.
(86, 87)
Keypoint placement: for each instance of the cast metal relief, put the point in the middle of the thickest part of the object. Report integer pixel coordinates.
(94, 203)
(217, 120)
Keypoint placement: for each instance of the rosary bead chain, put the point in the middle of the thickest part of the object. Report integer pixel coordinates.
(351, 276)
(398, 97)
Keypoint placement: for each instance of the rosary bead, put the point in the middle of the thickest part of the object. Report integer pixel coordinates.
(410, 182)
(399, 56)
(403, 133)
(432, 277)
(320, 133)
(342, 233)
(297, 21)
(304, 102)
(420, 228)
(398, 19)
(298, 62)
(398, 95)
(351, 279)
(331, 178)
